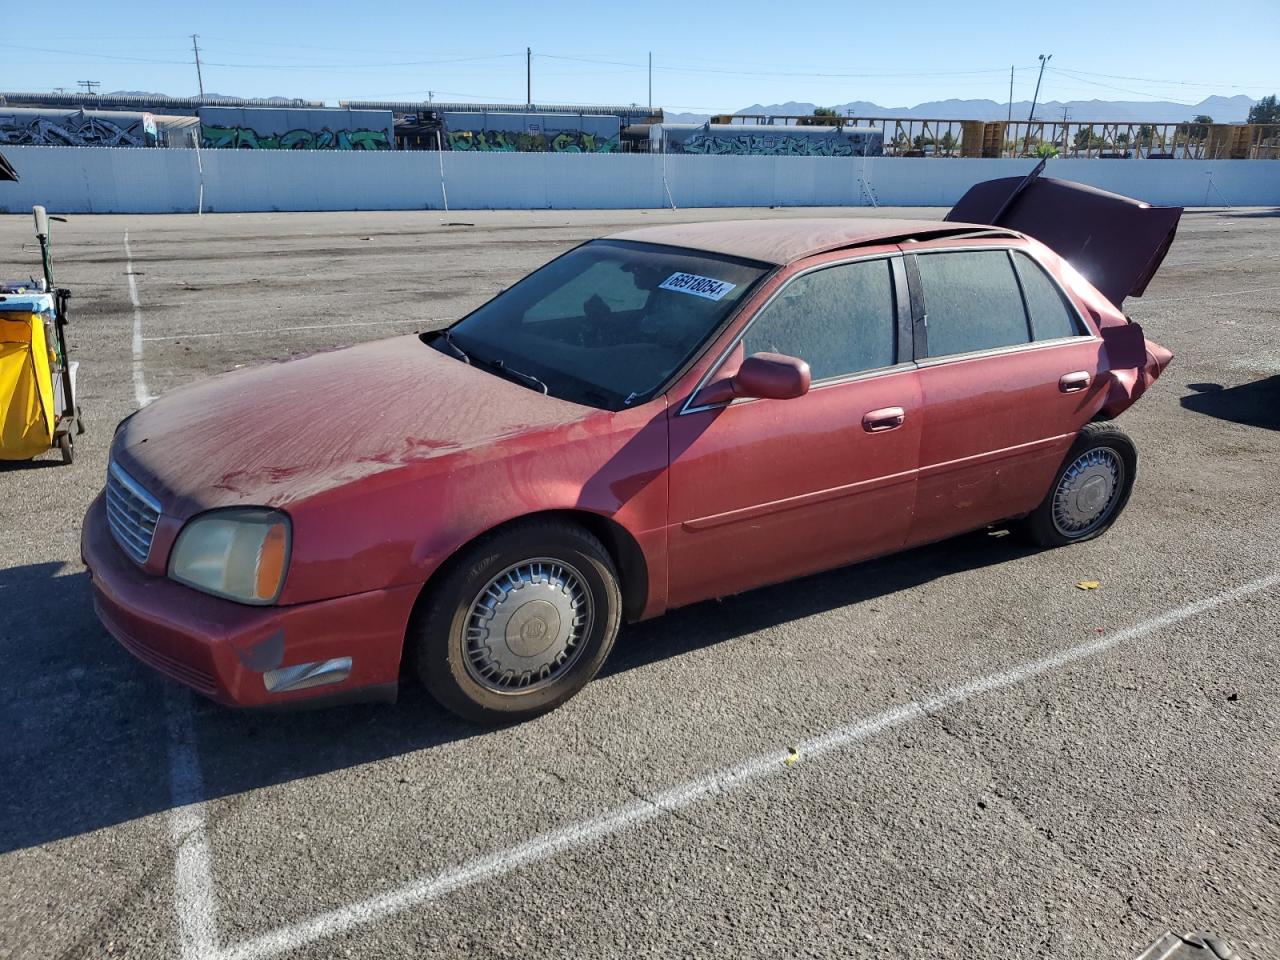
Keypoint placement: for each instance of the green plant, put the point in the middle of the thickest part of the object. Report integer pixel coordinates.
(1265, 111)
(822, 117)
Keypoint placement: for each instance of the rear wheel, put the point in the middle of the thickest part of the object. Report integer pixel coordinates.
(1090, 490)
(520, 622)
(67, 446)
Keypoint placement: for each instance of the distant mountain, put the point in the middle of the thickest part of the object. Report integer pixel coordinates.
(1223, 109)
(208, 96)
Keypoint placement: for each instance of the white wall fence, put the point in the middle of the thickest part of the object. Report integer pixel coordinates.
(113, 180)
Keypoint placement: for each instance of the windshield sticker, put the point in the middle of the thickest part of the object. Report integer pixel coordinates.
(706, 287)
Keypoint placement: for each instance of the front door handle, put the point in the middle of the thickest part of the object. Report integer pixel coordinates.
(1074, 382)
(886, 418)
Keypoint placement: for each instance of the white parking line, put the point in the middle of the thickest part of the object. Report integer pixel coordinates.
(547, 845)
(309, 326)
(139, 380)
(195, 899)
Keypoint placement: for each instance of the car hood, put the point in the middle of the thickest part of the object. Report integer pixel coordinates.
(276, 434)
(1115, 242)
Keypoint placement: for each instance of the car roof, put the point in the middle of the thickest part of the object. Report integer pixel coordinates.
(785, 241)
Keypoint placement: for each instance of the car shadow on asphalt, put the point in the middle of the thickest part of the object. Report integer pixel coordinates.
(87, 726)
(1254, 404)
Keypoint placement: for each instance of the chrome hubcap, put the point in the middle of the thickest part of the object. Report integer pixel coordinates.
(527, 626)
(1088, 492)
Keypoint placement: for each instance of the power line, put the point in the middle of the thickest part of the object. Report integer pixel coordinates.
(1107, 86)
(1181, 83)
(125, 58)
(776, 73)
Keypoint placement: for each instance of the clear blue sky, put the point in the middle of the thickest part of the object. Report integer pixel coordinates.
(706, 56)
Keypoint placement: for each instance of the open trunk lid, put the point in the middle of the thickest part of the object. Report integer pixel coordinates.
(1116, 243)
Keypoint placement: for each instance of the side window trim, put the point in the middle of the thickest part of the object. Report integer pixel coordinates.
(900, 345)
(1022, 295)
(904, 341)
(919, 311)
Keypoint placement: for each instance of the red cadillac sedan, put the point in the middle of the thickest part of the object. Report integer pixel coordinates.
(652, 419)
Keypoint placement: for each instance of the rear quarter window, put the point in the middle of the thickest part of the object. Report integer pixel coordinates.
(1051, 315)
(972, 302)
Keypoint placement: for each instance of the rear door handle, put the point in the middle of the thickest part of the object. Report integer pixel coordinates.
(1074, 382)
(886, 418)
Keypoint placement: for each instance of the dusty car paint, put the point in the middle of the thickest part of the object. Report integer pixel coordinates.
(391, 456)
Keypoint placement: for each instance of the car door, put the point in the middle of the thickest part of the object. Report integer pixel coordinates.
(1008, 375)
(766, 490)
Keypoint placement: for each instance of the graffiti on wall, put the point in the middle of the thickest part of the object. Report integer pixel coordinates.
(72, 130)
(499, 141)
(246, 138)
(776, 145)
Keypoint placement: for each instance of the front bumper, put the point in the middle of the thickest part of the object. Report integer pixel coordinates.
(233, 653)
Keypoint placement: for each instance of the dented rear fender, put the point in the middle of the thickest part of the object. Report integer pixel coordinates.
(1133, 363)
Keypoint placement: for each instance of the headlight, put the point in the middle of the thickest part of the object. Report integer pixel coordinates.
(240, 553)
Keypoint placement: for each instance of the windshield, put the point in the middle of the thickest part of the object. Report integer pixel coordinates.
(607, 324)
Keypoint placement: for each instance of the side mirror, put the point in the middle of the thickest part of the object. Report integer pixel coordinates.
(42, 222)
(762, 376)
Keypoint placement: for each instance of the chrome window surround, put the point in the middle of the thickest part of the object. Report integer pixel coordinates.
(899, 300)
(132, 524)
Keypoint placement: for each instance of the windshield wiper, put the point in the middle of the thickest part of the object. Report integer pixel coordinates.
(447, 337)
(528, 378)
(511, 373)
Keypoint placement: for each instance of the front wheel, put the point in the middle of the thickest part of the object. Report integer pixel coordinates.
(1090, 490)
(520, 622)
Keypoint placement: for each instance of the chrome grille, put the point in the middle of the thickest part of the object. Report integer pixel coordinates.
(132, 513)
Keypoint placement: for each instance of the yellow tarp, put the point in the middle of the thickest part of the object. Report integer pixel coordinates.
(26, 387)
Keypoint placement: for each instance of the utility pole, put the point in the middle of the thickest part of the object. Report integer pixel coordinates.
(528, 76)
(196, 47)
(1035, 97)
(1010, 120)
(1065, 110)
(88, 85)
(650, 79)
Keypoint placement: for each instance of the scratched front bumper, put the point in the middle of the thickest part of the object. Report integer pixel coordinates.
(224, 650)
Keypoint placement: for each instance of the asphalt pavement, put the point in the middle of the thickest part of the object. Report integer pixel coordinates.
(985, 760)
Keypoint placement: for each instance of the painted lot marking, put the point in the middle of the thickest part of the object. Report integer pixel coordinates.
(195, 891)
(195, 901)
(309, 326)
(139, 380)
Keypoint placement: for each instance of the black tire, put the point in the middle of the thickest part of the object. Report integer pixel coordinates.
(67, 446)
(437, 640)
(1040, 527)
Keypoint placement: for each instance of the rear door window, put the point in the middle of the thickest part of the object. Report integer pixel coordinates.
(972, 301)
(839, 319)
(1051, 316)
